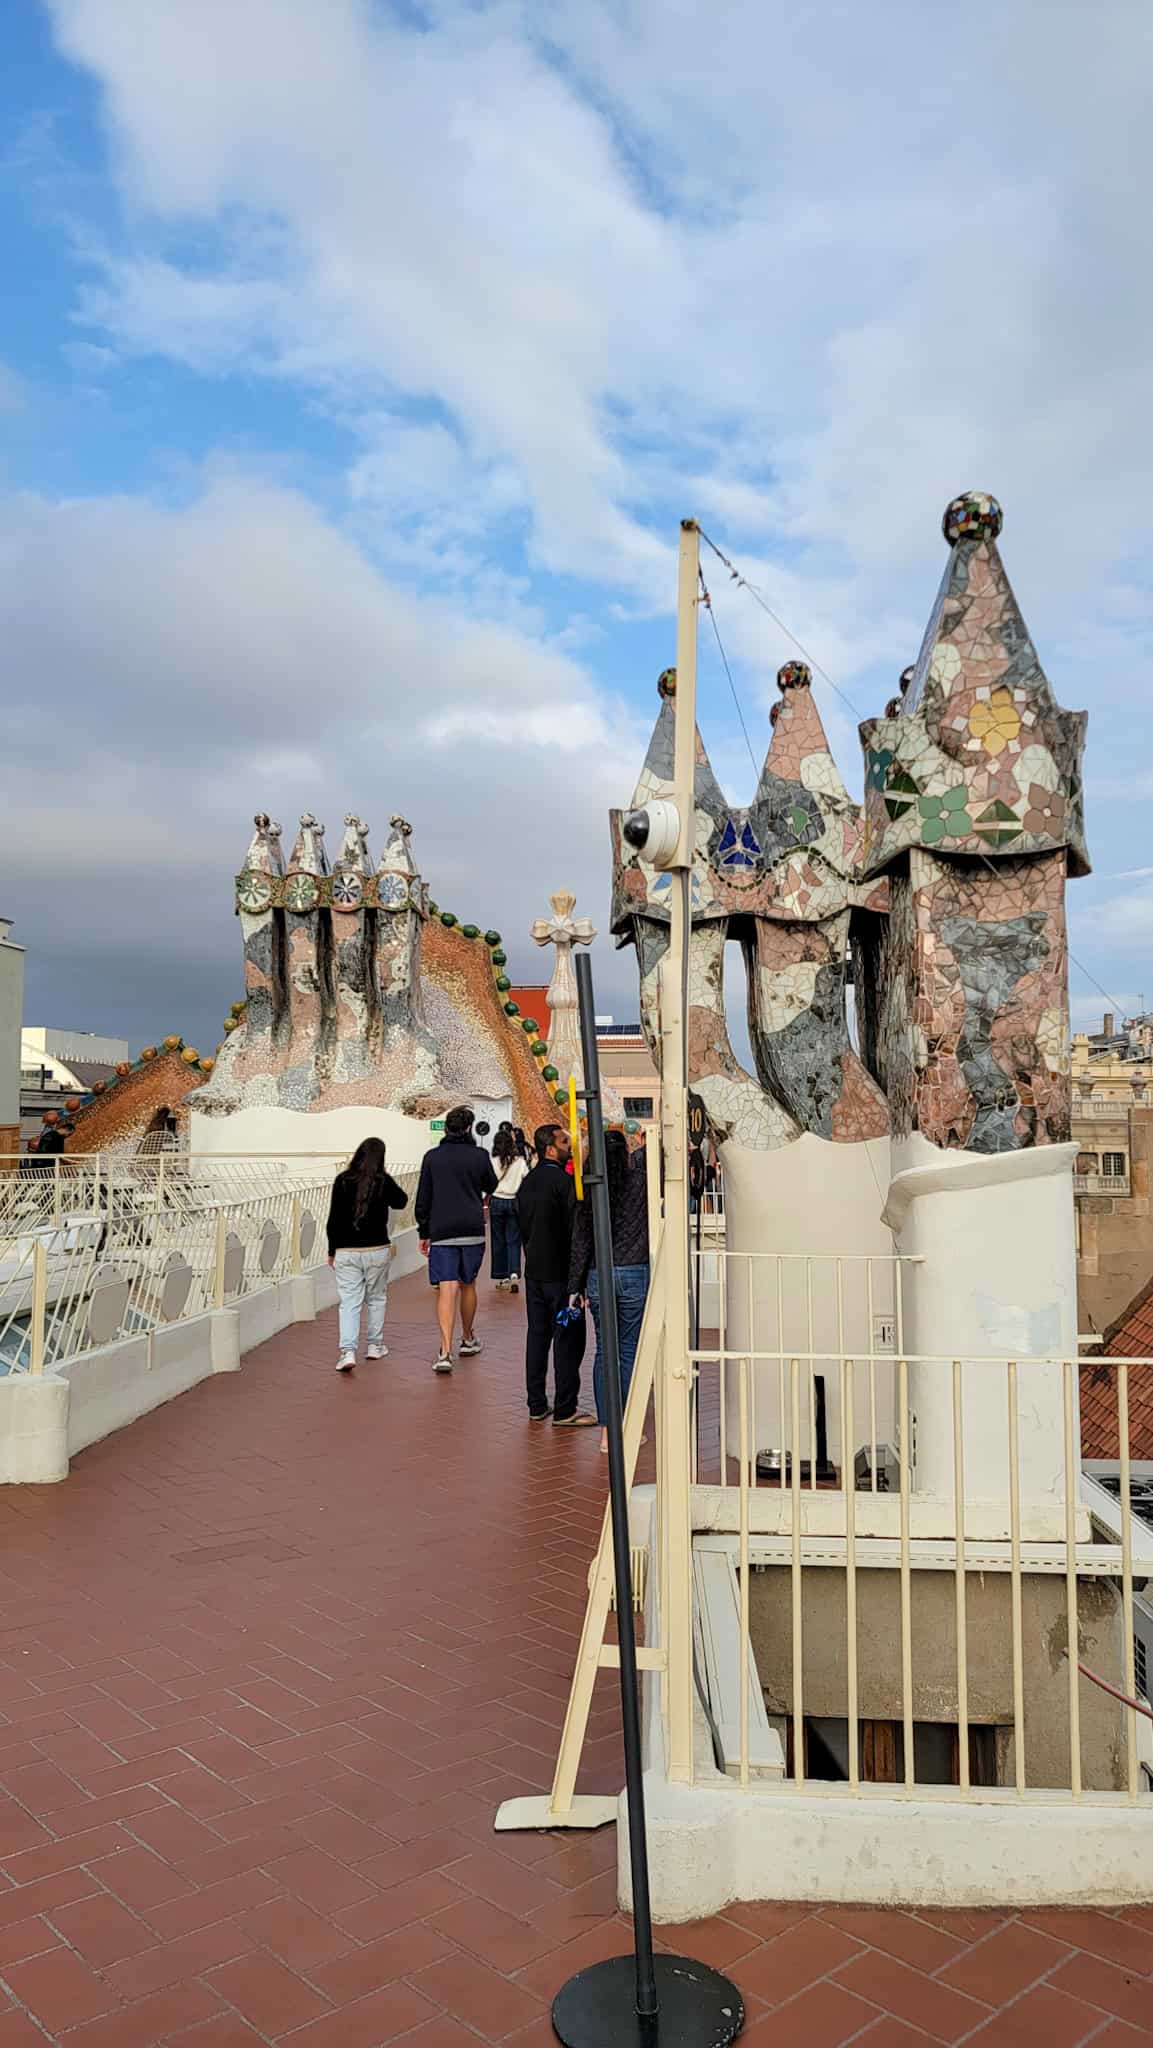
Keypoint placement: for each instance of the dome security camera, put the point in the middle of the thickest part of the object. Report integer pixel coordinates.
(654, 832)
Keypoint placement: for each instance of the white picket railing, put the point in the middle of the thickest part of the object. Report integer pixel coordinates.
(807, 1467)
(103, 1246)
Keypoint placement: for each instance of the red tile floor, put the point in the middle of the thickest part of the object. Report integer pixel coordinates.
(269, 1660)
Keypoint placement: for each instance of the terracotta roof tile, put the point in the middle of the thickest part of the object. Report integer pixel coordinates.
(1129, 1336)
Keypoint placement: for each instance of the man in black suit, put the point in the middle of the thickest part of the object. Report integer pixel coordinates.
(546, 1207)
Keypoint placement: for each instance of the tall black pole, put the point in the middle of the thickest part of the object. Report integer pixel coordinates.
(598, 1199)
(638, 2001)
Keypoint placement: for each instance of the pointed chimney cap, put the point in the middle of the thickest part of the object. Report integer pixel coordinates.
(975, 515)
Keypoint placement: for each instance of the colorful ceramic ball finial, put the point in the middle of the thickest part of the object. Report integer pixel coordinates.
(667, 683)
(795, 675)
(972, 516)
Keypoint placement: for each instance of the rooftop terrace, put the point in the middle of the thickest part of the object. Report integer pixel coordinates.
(270, 1659)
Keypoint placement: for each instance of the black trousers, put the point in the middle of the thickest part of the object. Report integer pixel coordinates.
(542, 1299)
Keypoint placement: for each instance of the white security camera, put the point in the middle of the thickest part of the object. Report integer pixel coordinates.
(654, 832)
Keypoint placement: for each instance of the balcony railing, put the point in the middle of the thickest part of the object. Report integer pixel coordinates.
(907, 1548)
(1101, 1184)
(98, 1247)
(1100, 1109)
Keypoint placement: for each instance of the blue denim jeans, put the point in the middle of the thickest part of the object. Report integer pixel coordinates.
(632, 1286)
(362, 1282)
(505, 1239)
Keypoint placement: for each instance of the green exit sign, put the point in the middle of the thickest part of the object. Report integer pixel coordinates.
(437, 1124)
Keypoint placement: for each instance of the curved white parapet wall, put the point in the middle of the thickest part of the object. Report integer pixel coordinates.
(271, 1132)
(807, 1204)
(996, 1278)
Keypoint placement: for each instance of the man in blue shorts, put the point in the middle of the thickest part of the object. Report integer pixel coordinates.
(454, 1180)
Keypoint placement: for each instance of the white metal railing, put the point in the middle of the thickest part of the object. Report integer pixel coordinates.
(107, 1246)
(912, 1549)
(1101, 1184)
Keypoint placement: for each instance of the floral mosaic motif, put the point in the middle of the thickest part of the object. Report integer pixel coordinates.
(1046, 813)
(878, 761)
(301, 894)
(945, 816)
(392, 891)
(347, 892)
(995, 722)
(253, 893)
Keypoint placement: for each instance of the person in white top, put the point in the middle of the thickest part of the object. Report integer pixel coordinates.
(510, 1161)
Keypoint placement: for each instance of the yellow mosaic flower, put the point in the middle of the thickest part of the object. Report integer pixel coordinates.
(995, 721)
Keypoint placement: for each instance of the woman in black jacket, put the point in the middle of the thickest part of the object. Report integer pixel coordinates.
(359, 1250)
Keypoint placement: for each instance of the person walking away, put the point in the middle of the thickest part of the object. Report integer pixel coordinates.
(545, 1208)
(359, 1249)
(627, 1181)
(455, 1179)
(511, 1169)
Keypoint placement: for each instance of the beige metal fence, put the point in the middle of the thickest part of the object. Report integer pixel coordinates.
(913, 1550)
(105, 1246)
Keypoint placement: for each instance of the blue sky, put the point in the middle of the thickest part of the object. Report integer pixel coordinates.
(359, 360)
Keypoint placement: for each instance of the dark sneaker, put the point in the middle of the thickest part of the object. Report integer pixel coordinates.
(470, 1346)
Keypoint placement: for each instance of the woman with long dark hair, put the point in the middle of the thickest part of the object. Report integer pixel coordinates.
(627, 1182)
(359, 1248)
(510, 1160)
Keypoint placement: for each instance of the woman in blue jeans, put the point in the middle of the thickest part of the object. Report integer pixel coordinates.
(629, 1205)
(510, 1163)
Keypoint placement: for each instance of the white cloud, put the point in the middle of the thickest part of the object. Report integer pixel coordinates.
(564, 272)
(195, 663)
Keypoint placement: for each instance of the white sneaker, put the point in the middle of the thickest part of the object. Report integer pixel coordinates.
(346, 1361)
(470, 1346)
(376, 1351)
(443, 1363)
(514, 1284)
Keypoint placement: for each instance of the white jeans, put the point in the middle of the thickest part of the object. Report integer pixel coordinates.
(362, 1282)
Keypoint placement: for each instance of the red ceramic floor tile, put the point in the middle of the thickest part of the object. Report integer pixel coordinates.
(923, 2001)
(796, 1958)
(60, 1990)
(271, 1997)
(477, 1995)
(1005, 1964)
(1117, 1992)
(1043, 2018)
(148, 2020)
(260, 1710)
(824, 2016)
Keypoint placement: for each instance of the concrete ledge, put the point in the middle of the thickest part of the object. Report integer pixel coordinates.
(710, 1846)
(33, 1430)
(952, 1171)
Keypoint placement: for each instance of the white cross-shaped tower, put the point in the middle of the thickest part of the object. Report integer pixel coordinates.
(564, 931)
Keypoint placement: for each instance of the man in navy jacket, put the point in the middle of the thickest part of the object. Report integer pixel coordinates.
(455, 1179)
